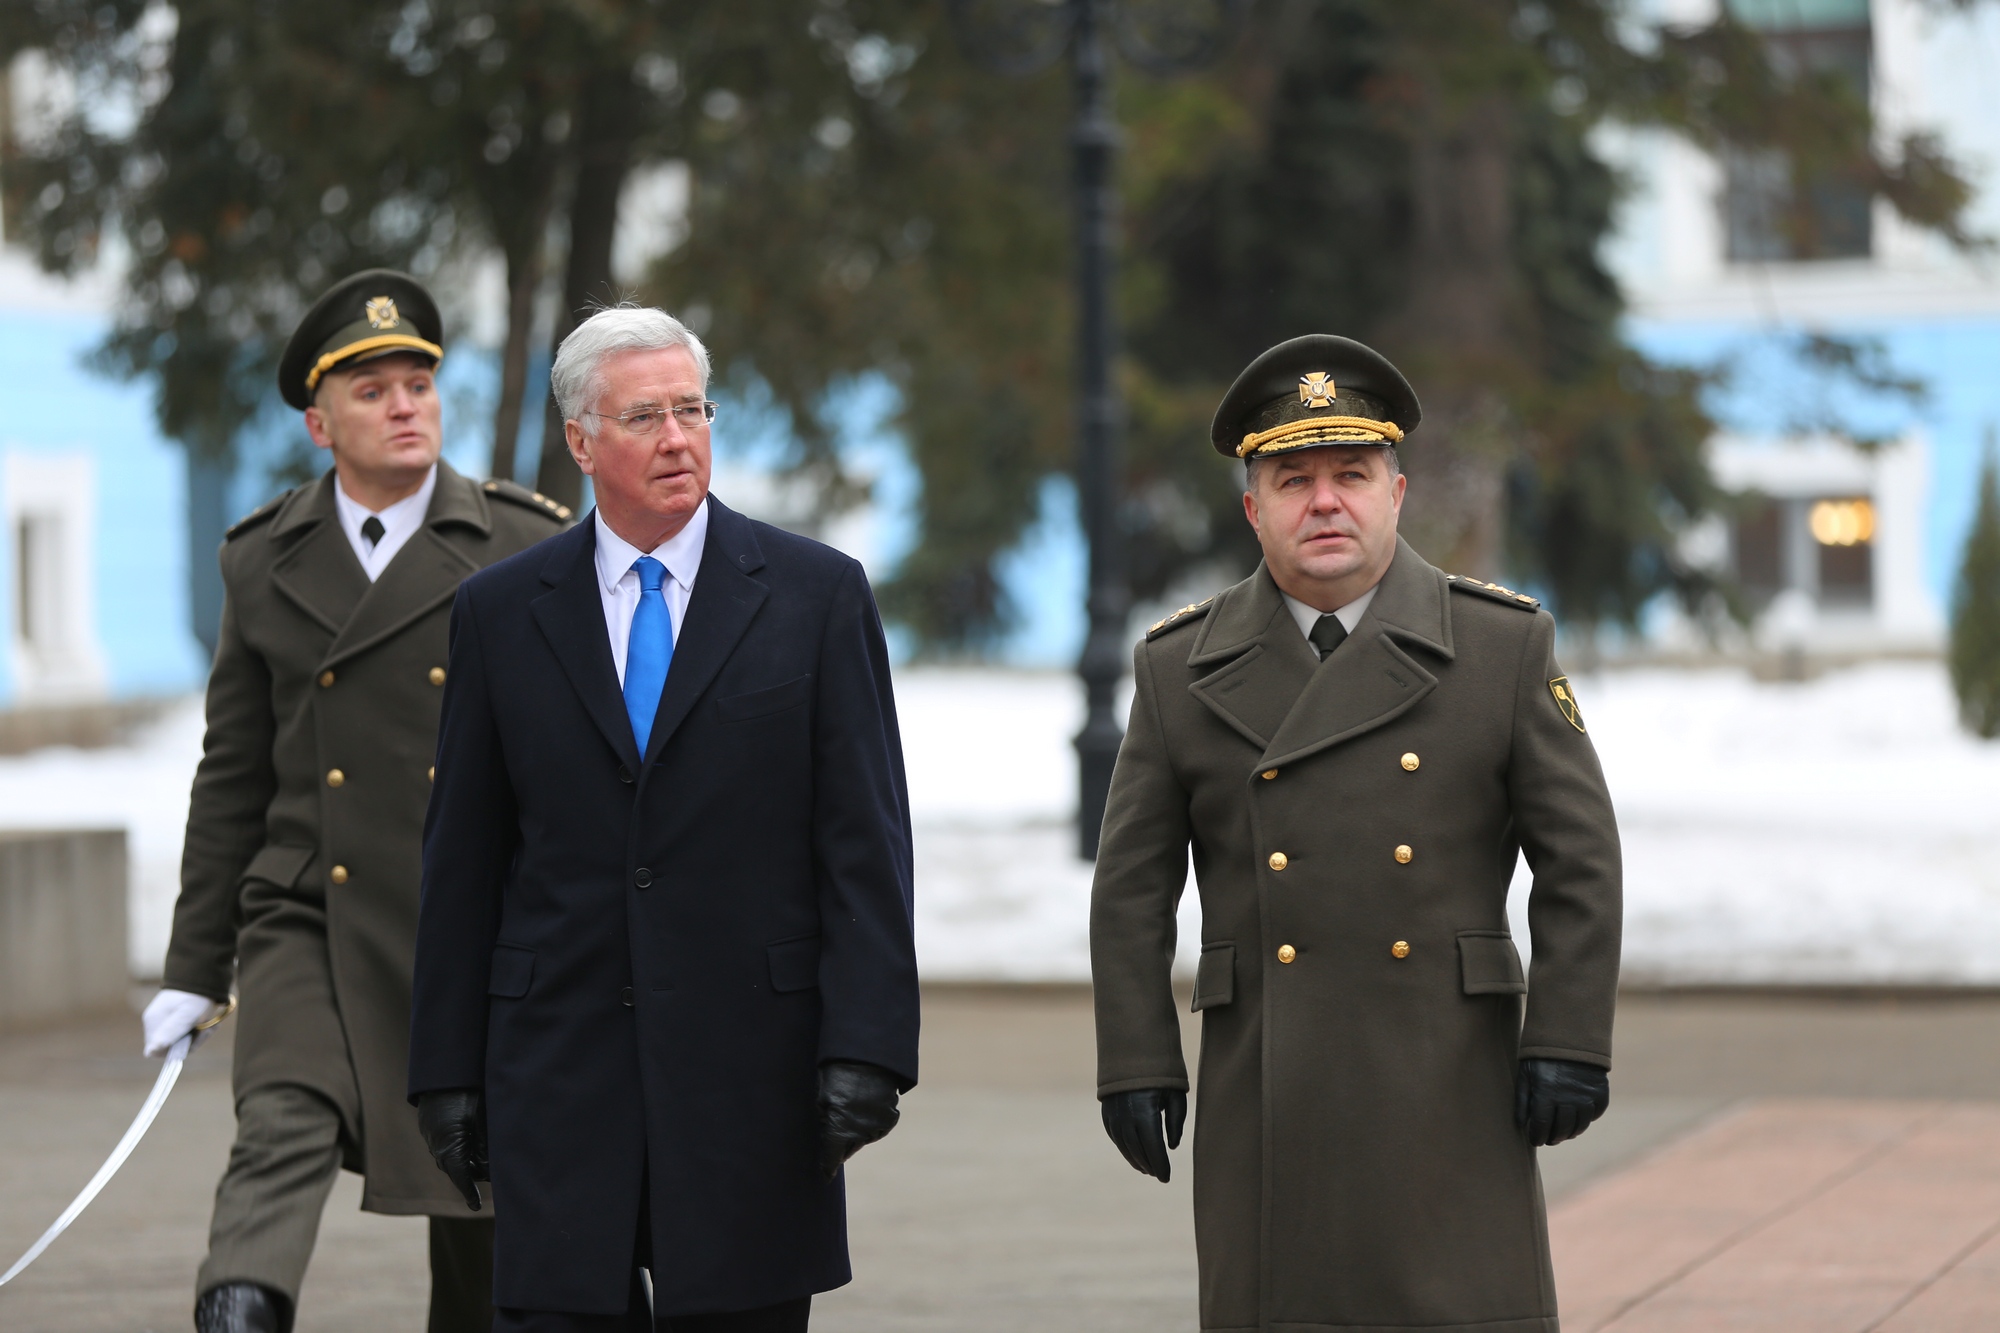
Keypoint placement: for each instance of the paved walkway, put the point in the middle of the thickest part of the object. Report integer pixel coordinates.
(1751, 1175)
(1831, 1215)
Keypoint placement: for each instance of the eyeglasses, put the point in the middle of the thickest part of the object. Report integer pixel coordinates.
(648, 420)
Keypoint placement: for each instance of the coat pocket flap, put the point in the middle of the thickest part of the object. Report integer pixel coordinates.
(1215, 977)
(794, 964)
(761, 703)
(281, 866)
(1490, 964)
(513, 969)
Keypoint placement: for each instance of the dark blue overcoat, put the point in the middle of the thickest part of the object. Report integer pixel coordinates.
(642, 960)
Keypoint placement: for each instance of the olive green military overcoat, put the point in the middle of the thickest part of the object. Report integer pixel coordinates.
(1354, 825)
(300, 872)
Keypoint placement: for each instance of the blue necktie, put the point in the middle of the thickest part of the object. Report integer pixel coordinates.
(649, 651)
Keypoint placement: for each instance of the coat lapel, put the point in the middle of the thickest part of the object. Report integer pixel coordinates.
(725, 600)
(570, 616)
(319, 573)
(423, 575)
(1372, 678)
(1267, 661)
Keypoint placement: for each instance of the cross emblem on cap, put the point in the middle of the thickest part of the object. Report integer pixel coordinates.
(381, 312)
(1316, 389)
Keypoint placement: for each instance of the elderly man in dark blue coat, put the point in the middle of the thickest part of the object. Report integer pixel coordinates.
(665, 979)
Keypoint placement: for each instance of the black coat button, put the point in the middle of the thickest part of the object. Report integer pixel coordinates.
(624, 773)
(643, 877)
(625, 997)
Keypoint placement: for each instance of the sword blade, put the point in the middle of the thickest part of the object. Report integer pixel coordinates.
(170, 1074)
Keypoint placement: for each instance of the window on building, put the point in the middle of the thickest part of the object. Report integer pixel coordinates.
(1771, 214)
(1758, 544)
(1843, 533)
(37, 580)
(47, 536)
(1822, 547)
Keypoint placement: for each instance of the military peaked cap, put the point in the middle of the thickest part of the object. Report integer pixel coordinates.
(374, 313)
(1319, 389)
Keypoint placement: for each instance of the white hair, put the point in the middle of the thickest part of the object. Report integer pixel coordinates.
(575, 378)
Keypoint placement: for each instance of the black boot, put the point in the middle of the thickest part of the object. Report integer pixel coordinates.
(242, 1307)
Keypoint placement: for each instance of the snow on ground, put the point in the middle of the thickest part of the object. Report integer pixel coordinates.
(1840, 830)
(141, 788)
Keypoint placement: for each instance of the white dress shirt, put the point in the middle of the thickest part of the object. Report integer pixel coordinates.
(619, 582)
(1307, 616)
(400, 522)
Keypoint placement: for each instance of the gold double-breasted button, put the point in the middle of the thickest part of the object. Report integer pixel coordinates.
(437, 675)
(1403, 854)
(1279, 860)
(1270, 773)
(334, 777)
(431, 773)
(1400, 949)
(326, 680)
(338, 874)
(1410, 762)
(1286, 953)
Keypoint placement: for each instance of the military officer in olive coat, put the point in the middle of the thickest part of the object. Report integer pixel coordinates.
(303, 854)
(1355, 746)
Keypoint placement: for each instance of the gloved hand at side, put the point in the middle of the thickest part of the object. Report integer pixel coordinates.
(1555, 1100)
(857, 1106)
(1132, 1119)
(453, 1123)
(171, 1015)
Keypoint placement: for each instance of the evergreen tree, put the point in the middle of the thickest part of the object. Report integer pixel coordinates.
(1975, 613)
(1419, 173)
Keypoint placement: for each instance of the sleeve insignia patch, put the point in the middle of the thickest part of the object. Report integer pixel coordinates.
(1566, 701)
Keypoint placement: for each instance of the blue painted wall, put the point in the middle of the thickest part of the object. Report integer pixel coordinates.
(49, 402)
(1957, 359)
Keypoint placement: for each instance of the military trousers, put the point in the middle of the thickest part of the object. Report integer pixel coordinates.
(288, 1152)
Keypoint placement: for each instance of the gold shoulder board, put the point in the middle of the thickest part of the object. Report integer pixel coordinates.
(1180, 617)
(262, 514)
(1519, 600)
(527, 499)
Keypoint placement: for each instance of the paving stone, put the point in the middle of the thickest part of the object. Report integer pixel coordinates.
(1823, 1215)
(1723, 1190)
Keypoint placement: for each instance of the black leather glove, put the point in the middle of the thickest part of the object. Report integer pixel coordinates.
(453, 1123)
(1132, 1119)
(857, 1105)
(1555, 1100)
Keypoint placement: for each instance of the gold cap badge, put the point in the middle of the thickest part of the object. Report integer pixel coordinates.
(381, 312)
(1317, 389)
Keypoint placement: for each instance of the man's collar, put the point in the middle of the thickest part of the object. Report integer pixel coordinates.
(1409, 602)
(680, 553)
(418, 500)
(1349, 615)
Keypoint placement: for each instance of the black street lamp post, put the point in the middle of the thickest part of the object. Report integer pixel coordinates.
(1164, 37)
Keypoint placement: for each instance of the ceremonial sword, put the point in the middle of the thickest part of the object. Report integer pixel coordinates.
(170, 1074)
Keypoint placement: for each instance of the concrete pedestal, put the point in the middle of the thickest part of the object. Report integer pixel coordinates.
(62, 924)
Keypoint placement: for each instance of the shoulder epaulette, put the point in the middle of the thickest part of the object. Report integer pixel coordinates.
(1180, 617)
(263, 513)
(527, 499)
(1518, 600)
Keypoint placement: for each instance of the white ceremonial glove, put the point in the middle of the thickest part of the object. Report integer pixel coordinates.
(171, 1016)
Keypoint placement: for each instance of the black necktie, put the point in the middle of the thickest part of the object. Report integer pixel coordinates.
(1327, 634)
(372, 530)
